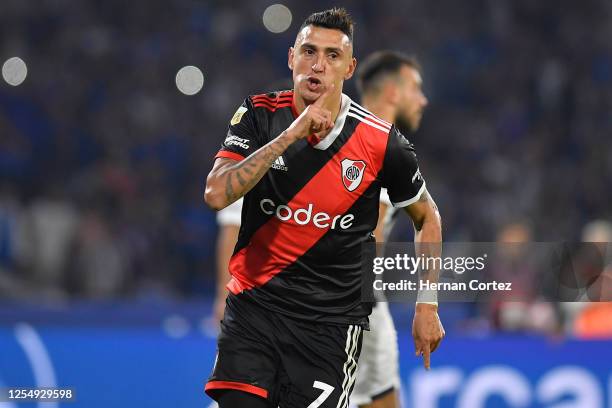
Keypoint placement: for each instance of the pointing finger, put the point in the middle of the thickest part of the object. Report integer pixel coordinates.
(324, 97)
(426, 356)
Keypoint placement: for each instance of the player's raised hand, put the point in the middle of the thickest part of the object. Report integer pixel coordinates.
(427, 331)
(320, 103)
(323, 99)
(316, 118)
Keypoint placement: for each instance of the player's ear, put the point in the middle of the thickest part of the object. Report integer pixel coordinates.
(290, 58)
(391, 92)
(351, 69)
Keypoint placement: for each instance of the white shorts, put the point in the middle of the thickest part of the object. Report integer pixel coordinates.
(378, 368)
(231, 214)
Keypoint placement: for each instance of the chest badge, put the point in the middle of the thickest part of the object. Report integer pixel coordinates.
(352, 173)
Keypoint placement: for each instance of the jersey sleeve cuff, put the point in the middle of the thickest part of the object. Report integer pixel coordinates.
(229, 155)
(413, 200)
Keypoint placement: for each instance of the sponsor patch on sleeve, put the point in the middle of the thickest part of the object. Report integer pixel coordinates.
(238, 115)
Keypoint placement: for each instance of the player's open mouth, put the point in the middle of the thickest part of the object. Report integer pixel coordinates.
(313, 83)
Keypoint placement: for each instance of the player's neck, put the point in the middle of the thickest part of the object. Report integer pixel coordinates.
(380, 108)
(333, 106)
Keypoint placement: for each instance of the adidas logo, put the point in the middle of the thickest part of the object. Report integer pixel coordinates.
(279, 164)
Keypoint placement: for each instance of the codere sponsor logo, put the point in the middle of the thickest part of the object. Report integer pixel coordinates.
(303, 216)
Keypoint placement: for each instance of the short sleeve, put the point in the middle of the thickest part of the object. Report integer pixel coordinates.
(231, 215)
(400, 173)
(241, 139)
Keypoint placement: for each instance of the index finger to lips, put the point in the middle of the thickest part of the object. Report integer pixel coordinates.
(322, 99)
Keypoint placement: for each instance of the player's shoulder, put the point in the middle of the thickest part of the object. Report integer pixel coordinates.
(270, 102)
(373, 123)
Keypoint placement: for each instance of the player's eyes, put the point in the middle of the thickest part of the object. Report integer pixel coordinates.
(333, 55)
(308, 51)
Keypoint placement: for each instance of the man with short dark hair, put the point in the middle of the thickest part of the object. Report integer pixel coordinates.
(310, 164)
(390, 86)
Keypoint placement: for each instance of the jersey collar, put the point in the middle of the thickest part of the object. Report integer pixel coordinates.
(339, 124)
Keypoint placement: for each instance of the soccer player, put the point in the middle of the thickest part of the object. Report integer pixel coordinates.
(310, 164)
(390, 87)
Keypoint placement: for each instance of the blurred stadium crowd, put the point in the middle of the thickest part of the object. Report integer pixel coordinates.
(102, 160)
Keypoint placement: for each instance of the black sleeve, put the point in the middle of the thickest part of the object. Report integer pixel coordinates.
(242, 135)
(400, 173)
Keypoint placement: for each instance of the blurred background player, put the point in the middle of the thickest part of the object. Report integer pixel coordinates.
(390, 85)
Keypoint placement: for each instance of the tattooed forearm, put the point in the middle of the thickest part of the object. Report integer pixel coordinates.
(249, 171)
(229, 191)
(241, 180)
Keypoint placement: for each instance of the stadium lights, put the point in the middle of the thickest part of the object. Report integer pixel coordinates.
(277, 18)
(14, 71)
(189, 80)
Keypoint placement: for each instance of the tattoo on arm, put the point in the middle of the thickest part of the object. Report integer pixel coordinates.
(427, 197)
(424, 197)
(249, 171)
(240, 179)
(418, 223)
(427, 272)
(229, 190)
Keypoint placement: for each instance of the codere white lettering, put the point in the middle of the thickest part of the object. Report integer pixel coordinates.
(303, 216)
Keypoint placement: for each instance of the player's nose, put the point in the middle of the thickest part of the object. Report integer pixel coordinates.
(319, 64)
(425, 101)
